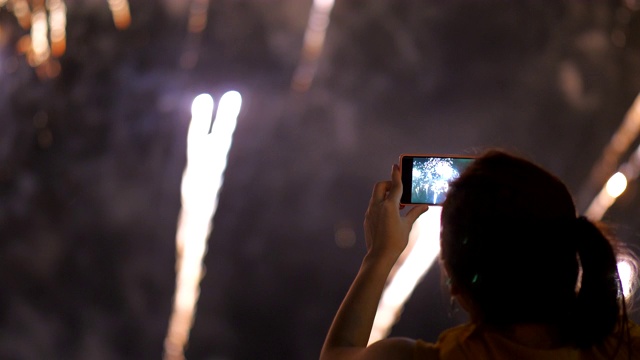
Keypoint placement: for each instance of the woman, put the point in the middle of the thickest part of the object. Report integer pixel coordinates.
(537, 281)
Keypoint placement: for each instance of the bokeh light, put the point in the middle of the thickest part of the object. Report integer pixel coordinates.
(616, 185)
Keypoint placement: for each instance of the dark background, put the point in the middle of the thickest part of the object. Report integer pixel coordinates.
(91, 160)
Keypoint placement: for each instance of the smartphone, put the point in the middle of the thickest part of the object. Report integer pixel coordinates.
(426, 178)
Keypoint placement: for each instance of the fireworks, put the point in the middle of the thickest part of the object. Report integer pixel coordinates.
(46, 21)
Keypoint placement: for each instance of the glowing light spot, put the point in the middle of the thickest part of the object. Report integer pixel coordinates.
(120, 12)
(22, 12)
(424, 246)
(202, 180)
(445, 170)
(616, 184)
(323, 4)
(39, 38)
(46, 20)
(198, 15)
(628, 276)
(57, 26)
(614, 187)
(201, 111)
(345, 236)
(230, 104)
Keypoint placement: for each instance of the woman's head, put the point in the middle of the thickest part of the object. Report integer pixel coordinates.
(511, 242)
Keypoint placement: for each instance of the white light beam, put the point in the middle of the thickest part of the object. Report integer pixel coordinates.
(201, 182)
(314, 36)
(424, 246)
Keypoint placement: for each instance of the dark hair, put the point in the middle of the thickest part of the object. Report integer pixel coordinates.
(511, 242)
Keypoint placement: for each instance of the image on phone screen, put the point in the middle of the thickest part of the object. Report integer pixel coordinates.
(431, 176)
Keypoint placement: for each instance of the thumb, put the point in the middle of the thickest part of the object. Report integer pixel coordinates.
(415, 212)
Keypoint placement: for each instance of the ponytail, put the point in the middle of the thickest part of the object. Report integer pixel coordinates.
(600, 300)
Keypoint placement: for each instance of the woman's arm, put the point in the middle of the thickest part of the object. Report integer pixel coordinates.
(386, 235)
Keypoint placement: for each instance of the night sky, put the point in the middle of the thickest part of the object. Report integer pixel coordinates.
(91, 160)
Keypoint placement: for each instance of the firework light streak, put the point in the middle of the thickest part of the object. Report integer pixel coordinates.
(198, 16)
(314, 36)
(207, 151)
(120, 12)
(619, 144)
(614, 187)
(39, 37)
(46, 21)
(424, 246)
(22, 12)
(57, 26)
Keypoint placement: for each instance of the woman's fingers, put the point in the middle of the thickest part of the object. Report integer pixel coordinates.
(386, 229)
(392, 190)
(380, 190)
(395, 192)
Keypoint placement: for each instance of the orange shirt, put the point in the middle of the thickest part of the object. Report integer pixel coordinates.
(470, 342)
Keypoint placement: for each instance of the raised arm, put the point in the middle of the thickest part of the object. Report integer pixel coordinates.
(386, 235)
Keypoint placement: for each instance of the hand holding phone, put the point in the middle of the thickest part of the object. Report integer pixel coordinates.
(426, 178)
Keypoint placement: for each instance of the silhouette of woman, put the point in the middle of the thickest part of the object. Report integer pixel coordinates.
(538, 281)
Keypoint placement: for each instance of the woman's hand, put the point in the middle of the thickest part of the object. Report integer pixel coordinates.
(386, 230)
(387, 234)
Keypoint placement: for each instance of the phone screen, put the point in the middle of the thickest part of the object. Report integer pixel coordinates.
(426, 178)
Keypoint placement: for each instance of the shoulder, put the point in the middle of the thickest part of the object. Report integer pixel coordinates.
(402, 348)
(392, 348)
(398, 348)
(448, 344)
(456, 335)
(634, 331)
(386, 349)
